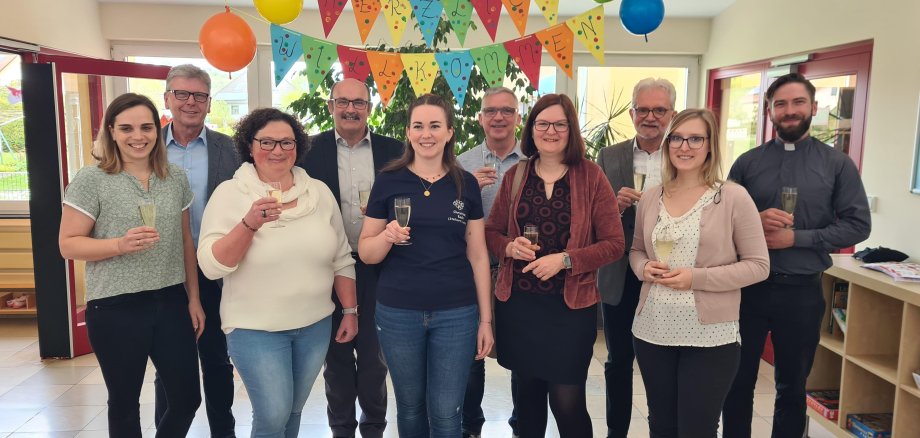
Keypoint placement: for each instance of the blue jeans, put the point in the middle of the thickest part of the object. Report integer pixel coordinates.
(278, 370)
(429, 356)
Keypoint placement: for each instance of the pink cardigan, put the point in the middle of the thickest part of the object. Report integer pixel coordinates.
(596, 234)
(732, 251)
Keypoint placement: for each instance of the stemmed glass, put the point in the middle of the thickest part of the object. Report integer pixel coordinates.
(789, 197)
(274, 191)
(664, 244)
(532, 234)
(364, 194)
(638, 180)
(403, 209)
(490, 160)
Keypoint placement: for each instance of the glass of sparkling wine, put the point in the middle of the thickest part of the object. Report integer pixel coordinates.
(274, 191)
(148, 212)
(403, 208)
(638, 180)
(531, 233)
(664, 244)
(490, 160)
(789, 197)
(364, 194)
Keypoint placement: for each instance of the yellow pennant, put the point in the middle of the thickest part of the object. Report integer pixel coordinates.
(421, 69)
(397, 13)
(550, 9)
(589, 29)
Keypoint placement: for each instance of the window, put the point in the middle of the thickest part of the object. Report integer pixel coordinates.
(14, 181)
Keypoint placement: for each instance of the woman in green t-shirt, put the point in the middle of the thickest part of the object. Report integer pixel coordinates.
(128, 218)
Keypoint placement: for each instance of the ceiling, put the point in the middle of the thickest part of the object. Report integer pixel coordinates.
(672, 8)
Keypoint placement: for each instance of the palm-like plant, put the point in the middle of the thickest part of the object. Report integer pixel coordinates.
(604, 133)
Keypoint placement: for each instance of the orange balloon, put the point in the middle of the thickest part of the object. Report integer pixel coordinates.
(227, 42)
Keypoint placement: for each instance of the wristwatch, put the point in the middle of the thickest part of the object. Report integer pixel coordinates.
(350, 311)
(566, 261)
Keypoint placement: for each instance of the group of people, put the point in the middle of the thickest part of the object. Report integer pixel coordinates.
(269, 254)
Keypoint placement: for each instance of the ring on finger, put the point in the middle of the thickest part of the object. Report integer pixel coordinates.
(264, 214)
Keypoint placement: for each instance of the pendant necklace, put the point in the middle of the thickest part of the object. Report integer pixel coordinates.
(426, 190)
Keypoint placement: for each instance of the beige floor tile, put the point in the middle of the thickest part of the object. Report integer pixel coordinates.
(19, 328)
(93, 434)
(16, 375)
(87, 360)
(93, 378)
(33, 397)
(12, 418)
(83, 395)
(58, 376)
(68, 434)
(61, 418)
(763, 404)
(16, 343)
(761, 428)
(638, 429)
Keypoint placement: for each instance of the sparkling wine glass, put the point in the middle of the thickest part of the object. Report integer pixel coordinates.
(532, 234)
(664, 244)
(364, 195)
(789, 197)
(403, 209)
(638, 180)
(148, 212)
(274, 191)
(490, 160)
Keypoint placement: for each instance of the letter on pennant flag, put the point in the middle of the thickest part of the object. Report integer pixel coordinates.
(492, 62)
(550, 10)
(330, 10)
(319, 56)
(421, 69)
(527, 53)
(396, 13)
(456, 68)
(428, 15)
(589, 29)
(354, 63)
(286, 50)
(488, 12)
(366, 12)
(558, 41)
(517, 10)
(459, 15)
(387, 68)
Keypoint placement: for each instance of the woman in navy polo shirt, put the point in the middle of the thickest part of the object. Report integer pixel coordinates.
(433, 306)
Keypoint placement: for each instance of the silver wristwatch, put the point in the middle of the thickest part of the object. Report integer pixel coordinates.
(350, 311)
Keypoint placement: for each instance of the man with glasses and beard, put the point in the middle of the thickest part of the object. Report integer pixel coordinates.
(347, 158)
(831, 213)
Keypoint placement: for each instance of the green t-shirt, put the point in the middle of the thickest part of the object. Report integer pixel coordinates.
(112, 202)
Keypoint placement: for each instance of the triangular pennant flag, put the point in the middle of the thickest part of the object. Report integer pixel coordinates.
(517, 10)
(319, 56)
(354, 63)
(366, 12)
(492, 62)
(387, 68)
(589, 29)
(428, 15)
(286, 50)
(558, 41)
(397, 13)
(421, 69)
(456, 68)
(550, 10)
(459, 15)
(488, 12)
(330, 10)
(527, 53)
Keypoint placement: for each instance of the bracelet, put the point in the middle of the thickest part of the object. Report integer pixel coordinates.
(486, 322)
(243, 221)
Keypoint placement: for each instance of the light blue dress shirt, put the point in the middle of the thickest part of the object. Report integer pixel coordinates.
(193, 159)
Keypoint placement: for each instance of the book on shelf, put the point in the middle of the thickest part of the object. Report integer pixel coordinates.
(838, 300)
(840, 315)
(826, 403)
(870, 425)
(899, 271)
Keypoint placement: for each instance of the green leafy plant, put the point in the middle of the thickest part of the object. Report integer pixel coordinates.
(605, 132)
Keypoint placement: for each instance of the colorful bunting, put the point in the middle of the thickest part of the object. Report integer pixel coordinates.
(387, 68)
(492, 62)
(330, 10)
(517, 10)
(459, 15)
(428, 15)
(589, 29)
(456, 68)
(354, 63)
(286, 50)
(366, 12)
(420, 69)
(397, 13)
(558, 41)
(319, 56)
(527, 53)
(488, 12)
(550, 10)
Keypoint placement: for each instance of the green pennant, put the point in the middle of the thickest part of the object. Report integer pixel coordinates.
(459, 13)
(492, 62)
(319, 56)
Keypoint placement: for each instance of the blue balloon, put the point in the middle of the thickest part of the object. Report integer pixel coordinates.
(641, 17)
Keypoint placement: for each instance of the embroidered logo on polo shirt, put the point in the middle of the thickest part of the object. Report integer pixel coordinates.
(458, 204)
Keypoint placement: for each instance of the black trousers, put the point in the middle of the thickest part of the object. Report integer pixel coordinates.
(791, 308)
(356, 370)
(216, 370)
(124, 331)
(618, 369)
(686, 387)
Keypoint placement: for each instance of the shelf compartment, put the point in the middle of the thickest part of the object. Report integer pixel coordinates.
(910, 346)
(906, 420)
(825, 372)
(828, 425)
(883, 366)
(863, 392)
(874, 324)
(832, 342)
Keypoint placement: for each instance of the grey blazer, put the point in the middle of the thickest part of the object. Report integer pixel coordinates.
(223, 160)
(617, 163)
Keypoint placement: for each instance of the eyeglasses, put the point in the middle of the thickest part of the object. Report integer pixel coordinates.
(506, 111)
(184, 95)
(342, 103)
(543, 125)
(658, 112)
(693, 142)
(268, 144)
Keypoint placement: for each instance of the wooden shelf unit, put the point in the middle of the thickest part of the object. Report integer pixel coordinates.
(16, 274)
(871, 365)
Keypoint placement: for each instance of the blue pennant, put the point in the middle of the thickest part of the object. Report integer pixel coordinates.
(286, 50)
(456, 67)
(428, 15)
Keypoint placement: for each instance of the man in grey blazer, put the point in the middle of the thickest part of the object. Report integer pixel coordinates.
(208, 158)
(652, 110)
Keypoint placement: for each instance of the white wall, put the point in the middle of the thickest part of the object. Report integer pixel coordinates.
(753, 30)
(67, 25)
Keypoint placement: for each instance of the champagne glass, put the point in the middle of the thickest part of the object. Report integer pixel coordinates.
(490, 160)
(274, 191)
(532, 234)
(664, 244)
(403, 208)
(789, 197)
(638, 180)
(148, 212)
(364, 194)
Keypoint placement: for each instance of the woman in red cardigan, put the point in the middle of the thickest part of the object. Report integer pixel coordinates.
(547, 293)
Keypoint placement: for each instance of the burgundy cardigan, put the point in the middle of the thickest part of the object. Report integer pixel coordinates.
(596, 235)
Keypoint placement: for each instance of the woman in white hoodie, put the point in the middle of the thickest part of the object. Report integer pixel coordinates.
(278, 261)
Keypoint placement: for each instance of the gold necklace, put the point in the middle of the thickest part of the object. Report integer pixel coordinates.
(426, 190)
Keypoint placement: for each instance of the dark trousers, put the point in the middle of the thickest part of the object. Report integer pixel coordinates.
(685, 387)
(124, 331)
(791, 308)
(473, 417)
(618, 370)
(216, 370)
(356, 370)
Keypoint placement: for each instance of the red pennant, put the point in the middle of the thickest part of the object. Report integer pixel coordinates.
(488, 12)
(527, 53)
(330, 10)
(354, 63)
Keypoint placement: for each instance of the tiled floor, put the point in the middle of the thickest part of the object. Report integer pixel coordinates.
(66, 398)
